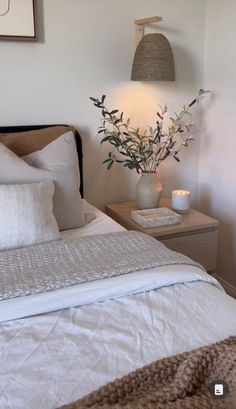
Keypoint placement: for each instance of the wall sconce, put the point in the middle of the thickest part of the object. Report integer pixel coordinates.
(153, 58)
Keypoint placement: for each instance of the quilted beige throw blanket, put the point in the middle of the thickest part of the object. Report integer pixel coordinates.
(183, 381)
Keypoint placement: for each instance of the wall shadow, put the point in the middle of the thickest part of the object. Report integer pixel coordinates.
(226, 260)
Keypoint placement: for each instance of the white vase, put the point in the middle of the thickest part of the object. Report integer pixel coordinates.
(148, 190)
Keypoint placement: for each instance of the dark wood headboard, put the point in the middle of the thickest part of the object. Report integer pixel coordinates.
(23, 140)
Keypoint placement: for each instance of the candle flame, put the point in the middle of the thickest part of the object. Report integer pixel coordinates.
(181, 192)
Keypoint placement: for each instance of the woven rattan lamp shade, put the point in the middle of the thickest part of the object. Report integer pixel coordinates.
(153, 59)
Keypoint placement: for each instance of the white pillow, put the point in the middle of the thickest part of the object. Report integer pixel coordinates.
(26, 214)
(58, 161)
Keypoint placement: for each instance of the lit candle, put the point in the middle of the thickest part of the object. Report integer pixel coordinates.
(181, 200)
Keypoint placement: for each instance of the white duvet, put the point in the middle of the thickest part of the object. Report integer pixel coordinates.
(51, 359)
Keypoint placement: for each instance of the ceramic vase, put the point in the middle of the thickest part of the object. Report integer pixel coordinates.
(148, 190)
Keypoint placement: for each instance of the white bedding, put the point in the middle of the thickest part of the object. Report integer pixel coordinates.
(51, 359)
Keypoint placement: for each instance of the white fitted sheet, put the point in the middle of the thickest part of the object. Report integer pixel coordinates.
(100, 225)
(48, 360)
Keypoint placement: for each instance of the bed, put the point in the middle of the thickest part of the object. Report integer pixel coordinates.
(120, 324)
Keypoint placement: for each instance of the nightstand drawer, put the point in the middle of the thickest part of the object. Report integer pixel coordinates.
(201, 247)
(195, 236)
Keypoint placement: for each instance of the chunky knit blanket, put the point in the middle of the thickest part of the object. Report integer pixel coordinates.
(63, 263)
(184, 381)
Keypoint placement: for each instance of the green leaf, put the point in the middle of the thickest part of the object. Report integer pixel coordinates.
(93, 99)
(126, 141)
(114, 111)
(103, 98)
(176, 158)
(105, 139)
(110, 165)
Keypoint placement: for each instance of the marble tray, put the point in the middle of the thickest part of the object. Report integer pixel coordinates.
(161, 216)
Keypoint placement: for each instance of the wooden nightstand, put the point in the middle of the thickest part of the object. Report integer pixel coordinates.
(196, 236)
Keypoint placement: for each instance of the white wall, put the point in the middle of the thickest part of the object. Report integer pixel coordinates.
(86, 49)
(217, 171)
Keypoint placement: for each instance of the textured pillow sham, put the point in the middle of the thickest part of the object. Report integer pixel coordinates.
(58, 162)
(26, 214)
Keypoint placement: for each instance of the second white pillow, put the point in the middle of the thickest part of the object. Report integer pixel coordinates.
(58, 162)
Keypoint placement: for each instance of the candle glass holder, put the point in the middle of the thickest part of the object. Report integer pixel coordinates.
(180, 201)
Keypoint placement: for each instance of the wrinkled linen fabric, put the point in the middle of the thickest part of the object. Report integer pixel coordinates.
(51, 359)
(183, 381)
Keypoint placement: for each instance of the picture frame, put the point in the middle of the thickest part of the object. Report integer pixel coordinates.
(18, 20)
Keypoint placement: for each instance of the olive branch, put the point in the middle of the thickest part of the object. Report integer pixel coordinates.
(145, 151)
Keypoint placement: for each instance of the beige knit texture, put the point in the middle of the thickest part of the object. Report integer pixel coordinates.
(177, 382)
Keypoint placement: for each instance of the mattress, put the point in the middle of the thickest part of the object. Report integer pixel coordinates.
(51, 359)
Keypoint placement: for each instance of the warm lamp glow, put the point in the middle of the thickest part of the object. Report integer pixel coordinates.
(132, 98)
